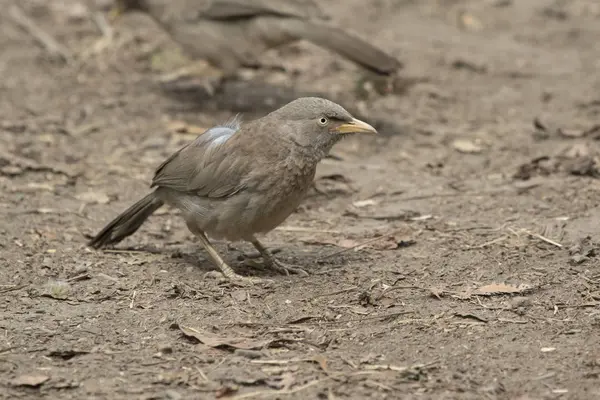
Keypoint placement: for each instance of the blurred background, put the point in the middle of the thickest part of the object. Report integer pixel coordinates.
(485, 173)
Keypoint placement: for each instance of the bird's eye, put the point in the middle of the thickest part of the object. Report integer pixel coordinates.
(323, 121)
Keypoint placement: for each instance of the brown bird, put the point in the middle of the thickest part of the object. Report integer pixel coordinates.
(230, 34)
(235, 181)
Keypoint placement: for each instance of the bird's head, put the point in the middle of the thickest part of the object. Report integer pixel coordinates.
(318, 123)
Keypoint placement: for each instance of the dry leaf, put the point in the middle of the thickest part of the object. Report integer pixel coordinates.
(30, 380)
(501, 288)
(466, 146)
(322, 361)
(212, 340)
(93, 197)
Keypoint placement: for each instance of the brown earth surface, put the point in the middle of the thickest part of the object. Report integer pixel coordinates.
(455, 256)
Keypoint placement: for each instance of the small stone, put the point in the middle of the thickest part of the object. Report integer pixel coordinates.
(173, 395)
(166, 349)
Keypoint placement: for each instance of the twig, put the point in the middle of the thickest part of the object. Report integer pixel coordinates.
(269, 393)
(277, 393)
(390, 367)
(132, 299)
(118, 251)
(10, 288)
(103, 25)
(7, 349)
(282, 362)
(50, 44)
(378, 385)
(454, 194)
(512, 321)
(79, 277)
(543, 239)
(389, 315)
(107, 36)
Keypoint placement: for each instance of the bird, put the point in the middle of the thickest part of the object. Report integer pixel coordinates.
(230, 34)
(238, 180)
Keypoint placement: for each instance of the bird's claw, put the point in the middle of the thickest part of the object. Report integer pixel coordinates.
(276, 265)
(244, 281)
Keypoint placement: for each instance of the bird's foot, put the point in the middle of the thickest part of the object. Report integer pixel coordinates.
(283, 268)
(275, 265)
(243, 281)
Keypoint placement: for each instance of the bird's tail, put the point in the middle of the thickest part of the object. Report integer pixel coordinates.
(127, 222)
(349, 46)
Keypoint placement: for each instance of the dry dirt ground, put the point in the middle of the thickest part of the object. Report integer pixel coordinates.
(455, 257)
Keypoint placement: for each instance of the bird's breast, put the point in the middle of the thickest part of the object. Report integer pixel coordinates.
(282, 194)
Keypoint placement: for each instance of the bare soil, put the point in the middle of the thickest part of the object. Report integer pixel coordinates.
(455, 257)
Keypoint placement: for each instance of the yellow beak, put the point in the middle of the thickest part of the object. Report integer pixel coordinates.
(355, 126)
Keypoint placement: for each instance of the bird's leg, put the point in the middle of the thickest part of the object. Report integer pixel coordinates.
(271, 262)
(256, 255)
(226, 270)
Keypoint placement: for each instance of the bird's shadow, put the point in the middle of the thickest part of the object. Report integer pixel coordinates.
(199, 259)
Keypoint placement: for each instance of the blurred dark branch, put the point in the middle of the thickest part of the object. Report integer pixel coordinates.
(51, 45)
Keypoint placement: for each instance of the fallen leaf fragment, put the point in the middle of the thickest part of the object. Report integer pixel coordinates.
(547, 349)
(501, 288)
(212, 340)
(30, 380)
(466, 146)
(322, 361)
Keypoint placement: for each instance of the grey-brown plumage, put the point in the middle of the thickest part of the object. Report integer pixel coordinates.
(239, 180)
(234, 33)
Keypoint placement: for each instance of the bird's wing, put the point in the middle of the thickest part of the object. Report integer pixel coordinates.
(232, 9)
(205, 166)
